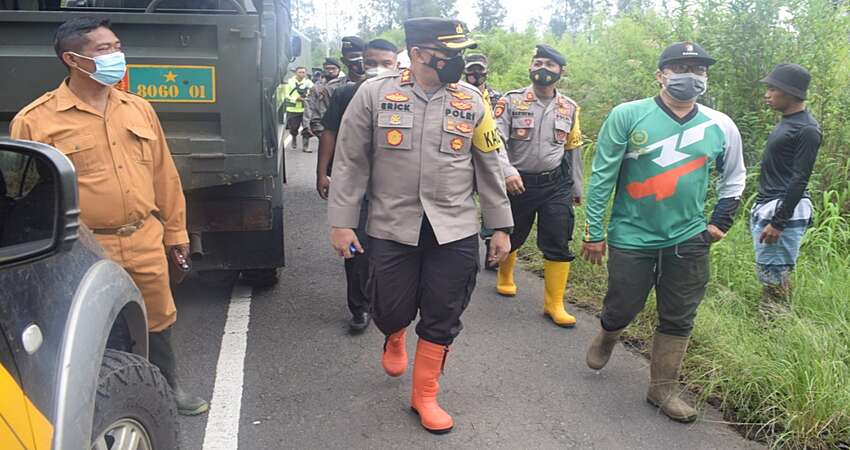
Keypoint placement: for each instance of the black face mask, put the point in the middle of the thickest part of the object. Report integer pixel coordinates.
(448, 70)
(356, 67)
(544, 77)
(476, 78)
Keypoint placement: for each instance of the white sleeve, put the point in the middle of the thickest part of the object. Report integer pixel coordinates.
(730, 165)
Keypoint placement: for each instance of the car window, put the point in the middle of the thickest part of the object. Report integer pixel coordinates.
(28, 203)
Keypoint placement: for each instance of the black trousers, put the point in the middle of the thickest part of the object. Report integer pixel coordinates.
(678, 273)
(434, 280)
(357, 269)
(551, 204)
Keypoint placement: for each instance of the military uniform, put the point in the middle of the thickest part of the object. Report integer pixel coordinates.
(421, 157)
(130, 191)
(542, 139)
(320, 96)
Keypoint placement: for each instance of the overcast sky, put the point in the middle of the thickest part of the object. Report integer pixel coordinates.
(339, 22)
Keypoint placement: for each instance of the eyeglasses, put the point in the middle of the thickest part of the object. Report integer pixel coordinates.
(685, 68)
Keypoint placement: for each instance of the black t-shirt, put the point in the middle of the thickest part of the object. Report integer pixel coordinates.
(339, 102)
(787, 163)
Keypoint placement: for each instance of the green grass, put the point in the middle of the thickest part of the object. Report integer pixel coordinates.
(785, 381)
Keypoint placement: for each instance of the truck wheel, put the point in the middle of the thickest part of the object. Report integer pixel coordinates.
(219, 278)
(134, 408)
(260, 278)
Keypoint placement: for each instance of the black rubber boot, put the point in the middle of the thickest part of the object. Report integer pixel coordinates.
(162, 355)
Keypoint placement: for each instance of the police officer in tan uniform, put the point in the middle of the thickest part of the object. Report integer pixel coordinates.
(543, 173)
(320, 96)
(420, 143)
(130, 191)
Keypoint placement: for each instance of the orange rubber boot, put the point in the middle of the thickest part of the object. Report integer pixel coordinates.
(426, 375)
(394, 358)
(505, 285)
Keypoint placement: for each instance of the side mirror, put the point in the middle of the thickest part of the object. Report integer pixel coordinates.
(295, 47)
(39, 208)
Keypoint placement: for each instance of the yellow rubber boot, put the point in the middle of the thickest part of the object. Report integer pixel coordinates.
(505, 278)
(555, 276)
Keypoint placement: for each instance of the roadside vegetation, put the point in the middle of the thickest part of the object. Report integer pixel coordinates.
(785, 381)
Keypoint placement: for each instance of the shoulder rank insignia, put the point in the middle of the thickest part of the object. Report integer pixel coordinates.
(461, 105)
(397, 97)
(395, 137)
(500, 108)
(461, 95)
(406, 78)
(464, 127)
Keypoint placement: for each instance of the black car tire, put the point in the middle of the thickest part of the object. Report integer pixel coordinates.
(260, 278)
(130, 387)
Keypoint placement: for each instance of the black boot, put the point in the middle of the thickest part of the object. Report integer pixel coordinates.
(162, 355)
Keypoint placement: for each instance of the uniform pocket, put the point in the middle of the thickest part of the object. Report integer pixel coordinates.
(521, 128)
(457, 137)
(80, 149)
(143, 139)
(395, 130)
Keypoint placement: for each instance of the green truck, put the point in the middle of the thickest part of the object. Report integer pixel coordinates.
(210, 68)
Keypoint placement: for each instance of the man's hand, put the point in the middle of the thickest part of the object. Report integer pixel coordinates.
(770, 235)
(593, 251)
(500, 248)
(342, 239)
(182, 248)
(716, 233)
(323, 185)
(514, 185)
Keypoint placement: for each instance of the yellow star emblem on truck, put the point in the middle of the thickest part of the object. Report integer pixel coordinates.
(170, 77)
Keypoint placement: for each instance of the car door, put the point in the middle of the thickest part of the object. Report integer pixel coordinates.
(15, 430)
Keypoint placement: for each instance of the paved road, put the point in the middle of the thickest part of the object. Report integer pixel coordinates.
(512, 379)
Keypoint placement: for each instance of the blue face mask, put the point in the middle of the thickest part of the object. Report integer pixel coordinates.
(109, 68)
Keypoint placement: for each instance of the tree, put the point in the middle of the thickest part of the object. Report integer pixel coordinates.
(570, 16)
(491, 14)
(382, 15)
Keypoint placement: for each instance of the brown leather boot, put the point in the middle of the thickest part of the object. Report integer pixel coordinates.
(427, 369)
(394, 359)
(664, 388)
(601, 347)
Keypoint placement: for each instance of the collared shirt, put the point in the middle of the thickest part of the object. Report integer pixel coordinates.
(125, 171)
(418, 154)
(537, 134)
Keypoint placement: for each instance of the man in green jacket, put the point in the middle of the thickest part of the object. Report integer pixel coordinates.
(658, 153)
(292, 96)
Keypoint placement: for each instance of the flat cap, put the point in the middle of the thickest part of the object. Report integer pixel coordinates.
(446, 33)
(789, 78)
(546, 51)
(682, 51)
(476, 60)
(353, 44)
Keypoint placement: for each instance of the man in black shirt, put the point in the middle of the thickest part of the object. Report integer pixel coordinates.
(783, 210)
(379, 58)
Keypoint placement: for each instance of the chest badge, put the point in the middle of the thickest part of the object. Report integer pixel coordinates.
(397, 97)
(461, 95)
(461, 105)
(561, 135)
(522, 132)
(522, 106)
(456, 144)
(395, 138)
(464, 127)
(395, 119)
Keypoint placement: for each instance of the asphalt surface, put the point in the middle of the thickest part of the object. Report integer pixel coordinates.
(512, 379)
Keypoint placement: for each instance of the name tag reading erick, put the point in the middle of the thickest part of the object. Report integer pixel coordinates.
(171, 84)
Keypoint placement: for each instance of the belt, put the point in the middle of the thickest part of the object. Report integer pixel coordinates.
(123, 230)
(542, 177)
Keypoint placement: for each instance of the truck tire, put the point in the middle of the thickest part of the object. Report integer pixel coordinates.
(133, 398)
(260, 278)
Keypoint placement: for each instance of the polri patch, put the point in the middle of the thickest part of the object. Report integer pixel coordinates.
(395, 137)
(457, 143)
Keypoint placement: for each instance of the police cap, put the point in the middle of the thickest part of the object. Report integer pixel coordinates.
(449, 34)
(546, 51)
(684, 50)
(331, 62)
(353, 44)
(476, 60)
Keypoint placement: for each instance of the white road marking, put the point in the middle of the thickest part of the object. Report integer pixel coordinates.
(222, 431)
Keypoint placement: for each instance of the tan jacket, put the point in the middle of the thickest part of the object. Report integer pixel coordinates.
(418, 156)
(537, 135)
(124, 168)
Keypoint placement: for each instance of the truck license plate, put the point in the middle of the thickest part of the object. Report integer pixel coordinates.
(172, 84)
